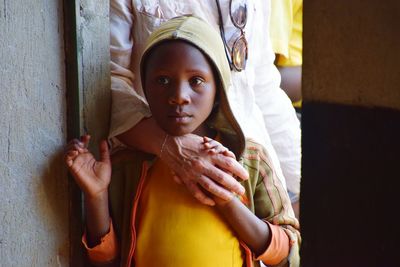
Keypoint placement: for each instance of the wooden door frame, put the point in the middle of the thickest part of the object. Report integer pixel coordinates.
(86, 31)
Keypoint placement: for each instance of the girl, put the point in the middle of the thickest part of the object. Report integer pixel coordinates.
(156, 222)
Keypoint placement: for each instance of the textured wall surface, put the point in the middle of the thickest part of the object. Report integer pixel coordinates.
(33, 181)
(351, 52)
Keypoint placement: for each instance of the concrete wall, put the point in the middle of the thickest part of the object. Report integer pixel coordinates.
(34, 217)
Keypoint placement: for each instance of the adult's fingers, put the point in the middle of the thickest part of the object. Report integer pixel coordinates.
(230, 154)
(213, 146)
(214, 188)
(221, 177)
(197, 193)
(230, 165)
(211, 143)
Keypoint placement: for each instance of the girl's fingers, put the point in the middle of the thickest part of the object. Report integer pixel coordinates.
(82, 142)
(104, 151)
(85, 140)
(75, 144)
(79, 148)
(70, 145)
(69, 162)
(70, 156)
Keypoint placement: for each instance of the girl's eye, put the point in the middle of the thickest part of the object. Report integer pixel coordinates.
(195, 81)
(163, 80)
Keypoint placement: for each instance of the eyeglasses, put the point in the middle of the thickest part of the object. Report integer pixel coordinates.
(237, 55)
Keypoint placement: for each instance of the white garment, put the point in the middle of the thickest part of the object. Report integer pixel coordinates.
(263, 110)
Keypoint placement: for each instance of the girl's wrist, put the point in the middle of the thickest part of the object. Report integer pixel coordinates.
(96, 197)
(224, 204)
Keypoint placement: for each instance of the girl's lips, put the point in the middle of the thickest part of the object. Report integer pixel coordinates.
(180, 118)
(178, 113)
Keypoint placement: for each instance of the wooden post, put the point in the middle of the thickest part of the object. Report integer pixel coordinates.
(351, 129)
(88, 94)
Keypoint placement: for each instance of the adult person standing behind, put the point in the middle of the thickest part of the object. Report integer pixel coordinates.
(263, 110)
(286, 31)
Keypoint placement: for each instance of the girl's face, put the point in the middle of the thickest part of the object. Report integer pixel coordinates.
(180, 87)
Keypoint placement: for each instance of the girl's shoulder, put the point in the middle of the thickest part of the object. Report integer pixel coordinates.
(255, 154)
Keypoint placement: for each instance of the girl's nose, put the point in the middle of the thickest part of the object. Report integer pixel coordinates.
(180, 95)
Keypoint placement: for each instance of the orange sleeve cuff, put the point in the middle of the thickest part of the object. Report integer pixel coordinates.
(278, 249)
(106, 251)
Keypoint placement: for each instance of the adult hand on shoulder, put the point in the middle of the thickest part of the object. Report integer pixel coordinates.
(202, 161)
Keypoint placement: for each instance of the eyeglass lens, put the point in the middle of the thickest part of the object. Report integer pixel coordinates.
(238, 12)
(239, 53)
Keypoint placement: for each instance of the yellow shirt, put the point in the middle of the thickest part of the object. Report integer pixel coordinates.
(286, 30)
(174, 229)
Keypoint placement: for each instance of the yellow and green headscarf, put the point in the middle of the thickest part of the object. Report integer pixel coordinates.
(200, 34)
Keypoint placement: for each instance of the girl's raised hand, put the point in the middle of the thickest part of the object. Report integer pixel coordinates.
(93, 176)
